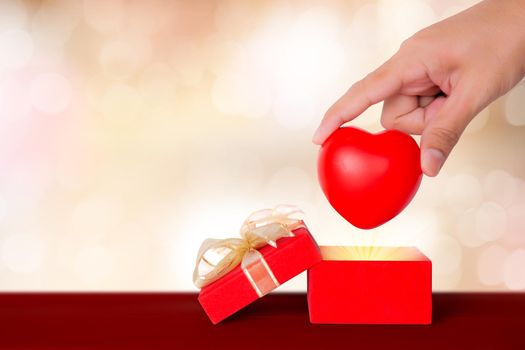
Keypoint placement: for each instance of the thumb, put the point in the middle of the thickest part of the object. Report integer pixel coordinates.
(444, 130)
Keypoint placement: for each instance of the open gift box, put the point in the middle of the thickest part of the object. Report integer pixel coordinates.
(370, 285)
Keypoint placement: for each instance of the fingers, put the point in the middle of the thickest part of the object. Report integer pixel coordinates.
(397, 107)
(412, 122)
(409, 114)
(442, 132)
(377, 86)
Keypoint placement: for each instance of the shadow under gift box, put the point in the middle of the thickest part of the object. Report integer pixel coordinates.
(234, 291)
(370, 285)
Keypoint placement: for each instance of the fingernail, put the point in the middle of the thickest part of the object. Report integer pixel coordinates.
(431, 161)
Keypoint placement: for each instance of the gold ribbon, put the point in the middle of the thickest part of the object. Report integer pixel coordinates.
(217, 257)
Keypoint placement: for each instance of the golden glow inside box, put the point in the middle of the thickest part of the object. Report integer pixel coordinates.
(371, 253)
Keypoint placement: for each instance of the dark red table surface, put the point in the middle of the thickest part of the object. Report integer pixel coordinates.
(277, 321)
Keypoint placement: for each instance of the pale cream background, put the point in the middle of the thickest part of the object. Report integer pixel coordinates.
(132, 130)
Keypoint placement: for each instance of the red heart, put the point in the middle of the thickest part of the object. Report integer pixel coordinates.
(369, 178)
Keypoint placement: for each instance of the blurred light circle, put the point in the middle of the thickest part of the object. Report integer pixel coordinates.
(403, 19)
(71, 174)
(513, 274)
(189, 61)
(121, 58)
(49, 56)
(366, 20)
(16, 49)
(231, 17)
(516, 217)
(370, 119)
(296, 110)
(14, 96)
(314, 41)
(310, 66)
(51, 93)
(478, 122)
(239, 94)
(22, 253)
(448, 282)
(289, 185)
(456, 7)
(122, 103)
(94, 264)
(445, 254)
(431, 191)
(13, 14)
(54, 22)
(491, 221)
(104, 15)
(365, 38)
(157, 85)
(96, 216)
(149, 16)
(269, 40)
(24, 190)
(142, 47)
(213, 171)
(490, 265)
(466, 229)
(3, 208)
(223, 216)
(463, 191)
(515, 106)
(118, 60)
(500, 187)
(415, 226)
(241, 88)
(224, 53)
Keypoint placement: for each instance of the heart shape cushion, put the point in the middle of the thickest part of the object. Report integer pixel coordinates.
(369, 178)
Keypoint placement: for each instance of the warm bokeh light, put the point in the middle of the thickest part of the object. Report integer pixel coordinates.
(132, 130)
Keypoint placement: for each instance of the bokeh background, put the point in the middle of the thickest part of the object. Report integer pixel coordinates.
(132, 130)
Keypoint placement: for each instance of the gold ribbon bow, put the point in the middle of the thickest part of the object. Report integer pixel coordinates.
(217, 257)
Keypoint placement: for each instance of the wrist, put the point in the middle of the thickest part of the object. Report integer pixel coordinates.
(514, 12)
(505, 34)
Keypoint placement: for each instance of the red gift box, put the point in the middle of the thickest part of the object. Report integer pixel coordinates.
(234, 291)
(371, 285)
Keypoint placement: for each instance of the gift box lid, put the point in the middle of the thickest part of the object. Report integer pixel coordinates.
(234, 291)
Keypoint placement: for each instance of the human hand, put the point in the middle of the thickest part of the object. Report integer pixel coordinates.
(441, 78)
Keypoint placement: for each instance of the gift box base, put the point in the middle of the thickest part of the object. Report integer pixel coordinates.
(231, 293)
(370, 285)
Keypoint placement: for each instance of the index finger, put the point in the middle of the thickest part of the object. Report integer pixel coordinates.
(382, 83)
